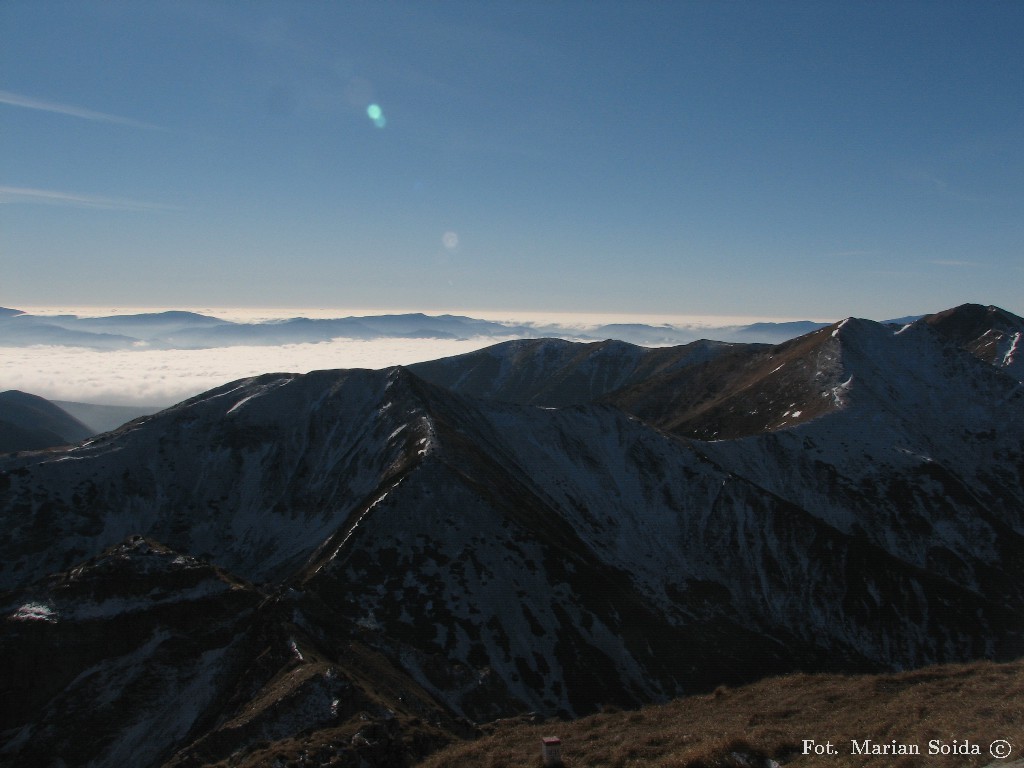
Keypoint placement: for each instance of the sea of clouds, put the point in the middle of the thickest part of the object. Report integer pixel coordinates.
(165, 377)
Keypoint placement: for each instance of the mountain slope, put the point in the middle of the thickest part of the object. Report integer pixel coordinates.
(989, 333)
(766, 723)
(29, 422)
(751, 390)
(16, 438)
(283, 477)
(746, 391)
(118, 660)
(257, 472)
(278, 475)
(922, 454)
(146, 656)
(908, 394)
(557, 373)
(469, 558)
(104, 418)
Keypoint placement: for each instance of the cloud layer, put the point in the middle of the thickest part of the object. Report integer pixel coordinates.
(168, 376)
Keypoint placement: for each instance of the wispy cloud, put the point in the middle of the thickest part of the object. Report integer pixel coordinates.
(27, 102)
(52, 197)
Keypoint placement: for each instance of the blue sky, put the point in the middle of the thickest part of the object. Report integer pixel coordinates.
(812, 159)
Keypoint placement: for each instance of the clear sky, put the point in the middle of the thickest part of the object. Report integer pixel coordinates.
(817, 159)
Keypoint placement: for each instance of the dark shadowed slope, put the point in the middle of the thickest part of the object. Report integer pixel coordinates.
(29, 422)
(16, 438)
(142, 651)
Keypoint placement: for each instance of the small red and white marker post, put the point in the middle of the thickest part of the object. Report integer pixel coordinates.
(551, 750)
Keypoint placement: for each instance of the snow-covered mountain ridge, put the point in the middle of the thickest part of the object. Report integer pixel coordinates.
(484, 556)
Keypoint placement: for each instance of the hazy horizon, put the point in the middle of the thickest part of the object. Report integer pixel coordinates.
(582, 318)
(162, 377)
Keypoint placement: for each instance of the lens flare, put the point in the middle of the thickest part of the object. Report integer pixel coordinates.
(376, 114)
(450, 240)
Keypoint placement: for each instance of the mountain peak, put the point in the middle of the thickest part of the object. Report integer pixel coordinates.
(989, 333)
(972, 318)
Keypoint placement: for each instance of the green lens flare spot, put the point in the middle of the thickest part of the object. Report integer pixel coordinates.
(376, 114)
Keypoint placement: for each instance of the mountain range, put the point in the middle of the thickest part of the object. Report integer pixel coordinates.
(392, 556)
(190, 330)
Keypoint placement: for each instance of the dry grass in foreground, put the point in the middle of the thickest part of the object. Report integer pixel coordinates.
(769, 720)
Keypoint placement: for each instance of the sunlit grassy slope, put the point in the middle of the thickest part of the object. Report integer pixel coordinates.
(956, 707)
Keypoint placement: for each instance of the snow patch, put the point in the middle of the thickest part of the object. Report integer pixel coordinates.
(240, 403)
(34, 612)
(262, 390)
(839, 393)
(1008, 357)
(356, 524)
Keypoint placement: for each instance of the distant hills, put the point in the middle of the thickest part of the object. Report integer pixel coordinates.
(28, 422)
(189, 330)
(104, 418)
